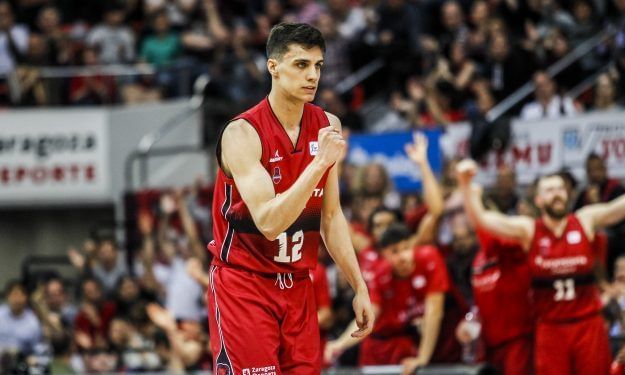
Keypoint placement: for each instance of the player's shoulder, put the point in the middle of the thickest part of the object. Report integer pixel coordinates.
(428, 252)
(240, 130)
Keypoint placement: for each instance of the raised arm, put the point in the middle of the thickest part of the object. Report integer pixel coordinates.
(520, 228)
(432, 194)
(241, 153)
(601, 215)
(335, 233)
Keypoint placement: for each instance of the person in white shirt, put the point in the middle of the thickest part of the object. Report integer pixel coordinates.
(13, 39)
(20, 329)
(547, 104)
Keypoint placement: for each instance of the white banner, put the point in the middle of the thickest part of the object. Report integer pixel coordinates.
(54, 156)
(546, 146)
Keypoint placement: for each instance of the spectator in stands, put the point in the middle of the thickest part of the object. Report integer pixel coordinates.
(336, 58)
(93, 89)
(58, 43)
(601, 189)
(55, 312)
(178, 12)
(187, 341)
(13, 39)
(135, 353)
(162, 46)
(93, 320)
(462, 251)
(333, 103)
(556, 46)
(350, 18)
(586, 22)
(605, 94)
(507, 69)
(305, 11)
(547, 102)
(20, 329)
(131, 300)
(454, 26)
(183, 294)
(113, 40)
(503, 196)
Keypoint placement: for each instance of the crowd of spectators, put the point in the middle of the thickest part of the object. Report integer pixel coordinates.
(444, 61)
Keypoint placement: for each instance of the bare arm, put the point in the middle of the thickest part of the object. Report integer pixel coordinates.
(335, 233)
(434, 305)
(346, 340)
(520, 228)
(432, 194)
(325, 317)
(601, 215)
(189, 227)
(241, 153)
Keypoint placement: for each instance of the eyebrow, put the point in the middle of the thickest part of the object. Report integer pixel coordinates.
(307, 61)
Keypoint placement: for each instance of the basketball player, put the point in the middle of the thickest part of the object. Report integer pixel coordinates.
(570, 335)
(276, 196)
(500, 277)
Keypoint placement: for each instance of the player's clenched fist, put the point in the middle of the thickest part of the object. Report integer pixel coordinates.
(465, 171)
(331, 146)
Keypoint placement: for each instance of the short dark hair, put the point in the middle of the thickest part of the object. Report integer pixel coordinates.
(14, 284)
(593, 156)
(394, 234)
(396, 213)
(284, 34)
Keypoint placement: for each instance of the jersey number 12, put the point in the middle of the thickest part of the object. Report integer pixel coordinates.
(297, 241)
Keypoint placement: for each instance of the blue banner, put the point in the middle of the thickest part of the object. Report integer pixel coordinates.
(388, 150)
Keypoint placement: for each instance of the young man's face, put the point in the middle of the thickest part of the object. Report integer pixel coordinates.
(297, 72)
(401, 258)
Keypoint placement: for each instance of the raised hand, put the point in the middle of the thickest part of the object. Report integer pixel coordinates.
(331, 146)
(418, 150)
(465, 171)
(161, 317)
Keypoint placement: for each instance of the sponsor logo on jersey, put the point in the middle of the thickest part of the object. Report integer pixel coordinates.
(574, 237)
(276, 158)
(418, 282)
(265, 370)
(277, 176)
(313, 147)
(559, 263)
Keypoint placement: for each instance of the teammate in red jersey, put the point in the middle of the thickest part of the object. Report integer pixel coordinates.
(570, 335)
(407, 291)
(382, 217)
(276, 196)
(500, 277)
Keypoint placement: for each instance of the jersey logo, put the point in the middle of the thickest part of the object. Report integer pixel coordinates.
(277, 177)
(418, 282)
(313, 147)
(276, 158)
(574, 237)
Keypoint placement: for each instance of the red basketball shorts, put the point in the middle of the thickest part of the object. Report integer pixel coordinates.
(260, 325)
(386, 351)
(579, 347)
(514, 357)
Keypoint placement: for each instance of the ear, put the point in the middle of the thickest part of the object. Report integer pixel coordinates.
(537, 201)
(272, 67)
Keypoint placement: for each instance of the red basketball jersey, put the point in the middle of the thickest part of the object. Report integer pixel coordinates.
(401, 300)
(501, 277)
(237, 240)
(563, 282)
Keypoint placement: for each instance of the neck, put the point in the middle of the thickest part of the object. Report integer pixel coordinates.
(287, 110)
(556, 226)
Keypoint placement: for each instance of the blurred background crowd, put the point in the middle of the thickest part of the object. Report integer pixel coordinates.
(139, 305)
